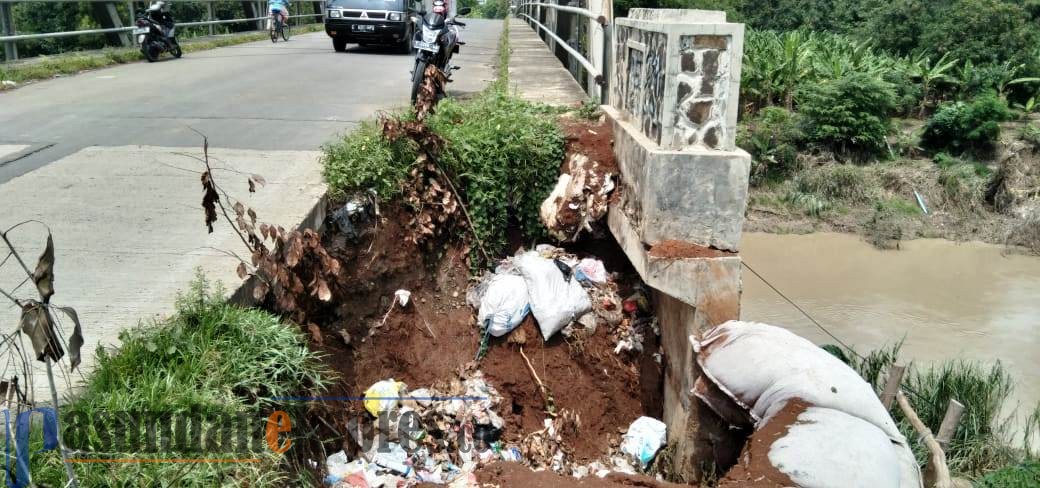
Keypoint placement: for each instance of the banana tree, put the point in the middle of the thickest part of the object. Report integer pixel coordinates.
(928, 74)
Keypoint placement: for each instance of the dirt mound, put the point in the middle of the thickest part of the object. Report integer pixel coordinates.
(584, 374)
(512, 474)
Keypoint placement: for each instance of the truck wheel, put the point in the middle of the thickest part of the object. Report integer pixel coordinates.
(340, 45)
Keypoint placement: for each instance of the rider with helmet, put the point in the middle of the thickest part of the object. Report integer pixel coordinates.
(160, 13)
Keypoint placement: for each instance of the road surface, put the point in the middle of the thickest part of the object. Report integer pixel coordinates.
(107, 160)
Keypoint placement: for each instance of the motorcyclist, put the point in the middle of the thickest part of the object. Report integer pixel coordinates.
(160, 13)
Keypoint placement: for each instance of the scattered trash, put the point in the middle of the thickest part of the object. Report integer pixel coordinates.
(402, 297)
(345, 336)
(644, 438)
(9, 83)
(382, 396)
(504, 304)
(395, 459)
(579, 198)
(591, 270)
(357, 210)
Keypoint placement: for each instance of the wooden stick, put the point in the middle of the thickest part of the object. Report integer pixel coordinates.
(949, 423)
(550, 404)
(895, 377)
(937, 463)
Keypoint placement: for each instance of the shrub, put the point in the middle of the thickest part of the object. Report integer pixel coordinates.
(772, 139)
(363, 159)
(849, 114)
(1031, 134)
(962, 126)
(506, 154)
(845, 182)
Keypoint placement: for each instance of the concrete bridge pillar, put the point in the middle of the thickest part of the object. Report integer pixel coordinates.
(674, 100)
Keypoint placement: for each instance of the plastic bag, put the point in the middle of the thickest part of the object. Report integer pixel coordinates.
(555, 301)
(644, 438)
(382, 396)
(505, 304)
(592, 270)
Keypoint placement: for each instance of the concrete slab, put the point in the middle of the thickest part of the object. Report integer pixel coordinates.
(9, 150)
(535, 74)
(128, 227)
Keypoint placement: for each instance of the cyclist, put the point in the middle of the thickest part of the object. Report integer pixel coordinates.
(280, 8)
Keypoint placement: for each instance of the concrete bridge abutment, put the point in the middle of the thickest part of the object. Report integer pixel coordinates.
(674, 102)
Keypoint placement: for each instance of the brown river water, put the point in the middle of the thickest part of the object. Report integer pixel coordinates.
(949, 300)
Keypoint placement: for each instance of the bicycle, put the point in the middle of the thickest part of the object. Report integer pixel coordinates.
(278, 28)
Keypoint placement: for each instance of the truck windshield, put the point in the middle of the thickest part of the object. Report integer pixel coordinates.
(392, 5)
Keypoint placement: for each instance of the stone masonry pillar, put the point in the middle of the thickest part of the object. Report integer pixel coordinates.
(674, 101)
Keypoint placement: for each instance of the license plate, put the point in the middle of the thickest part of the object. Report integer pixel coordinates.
(141, 30)
(363, 28)
(425, 46)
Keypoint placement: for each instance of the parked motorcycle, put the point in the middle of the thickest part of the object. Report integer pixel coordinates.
(434, 46)
(155, 32)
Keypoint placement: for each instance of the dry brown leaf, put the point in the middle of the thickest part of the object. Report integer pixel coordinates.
(242, 271)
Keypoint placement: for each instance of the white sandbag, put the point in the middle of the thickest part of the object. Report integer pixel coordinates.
(762, 367)
(555, 301)
(504, 305)
(826, 448)
(643, 439)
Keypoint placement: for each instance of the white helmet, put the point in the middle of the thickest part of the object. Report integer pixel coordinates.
(159, 6)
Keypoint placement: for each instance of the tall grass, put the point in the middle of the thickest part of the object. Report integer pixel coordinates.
(985, 439)
(210, 360)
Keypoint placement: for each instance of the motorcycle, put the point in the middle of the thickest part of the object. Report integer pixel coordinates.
(153, 39)
(434, 46)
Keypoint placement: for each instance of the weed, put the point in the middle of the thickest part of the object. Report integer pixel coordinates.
(962, 126)
(589, 110)
(898, 206)
(209, 357)
(1031, 134)
(962, 186)
(772, 139)
(844, 182)
(1023, 475)
(810, 204)
(363, 159)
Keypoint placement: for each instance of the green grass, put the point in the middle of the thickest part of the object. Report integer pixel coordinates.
(49, 66)
(210, 358)
(898, 206)
(846, 182)
(984, 445)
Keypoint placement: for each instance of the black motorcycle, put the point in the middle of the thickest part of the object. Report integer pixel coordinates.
(152, 35)
(434, 45)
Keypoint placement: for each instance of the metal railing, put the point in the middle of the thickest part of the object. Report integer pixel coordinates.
(544, 18)
(9, 38)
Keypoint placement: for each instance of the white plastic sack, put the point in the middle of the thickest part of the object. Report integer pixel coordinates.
(505, 303)
(644, 438)
(555, 302)
(762, 367)
(827, 448)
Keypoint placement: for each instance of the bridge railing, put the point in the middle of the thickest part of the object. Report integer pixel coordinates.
(10, 38)
(588, 31)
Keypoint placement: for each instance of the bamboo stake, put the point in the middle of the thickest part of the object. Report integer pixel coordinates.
(937, 462)
(895, 378)
(949, 423)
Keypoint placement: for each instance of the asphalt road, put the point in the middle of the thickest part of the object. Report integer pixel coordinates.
(285, 96)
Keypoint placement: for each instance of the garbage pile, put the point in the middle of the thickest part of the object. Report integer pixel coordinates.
(427, 435)
(581, 196)
(798, 396)
(565, 294)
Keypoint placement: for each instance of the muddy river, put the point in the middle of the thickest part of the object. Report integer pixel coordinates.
(949, 300)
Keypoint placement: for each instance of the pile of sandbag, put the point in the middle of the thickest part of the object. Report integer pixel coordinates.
(817, 422)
